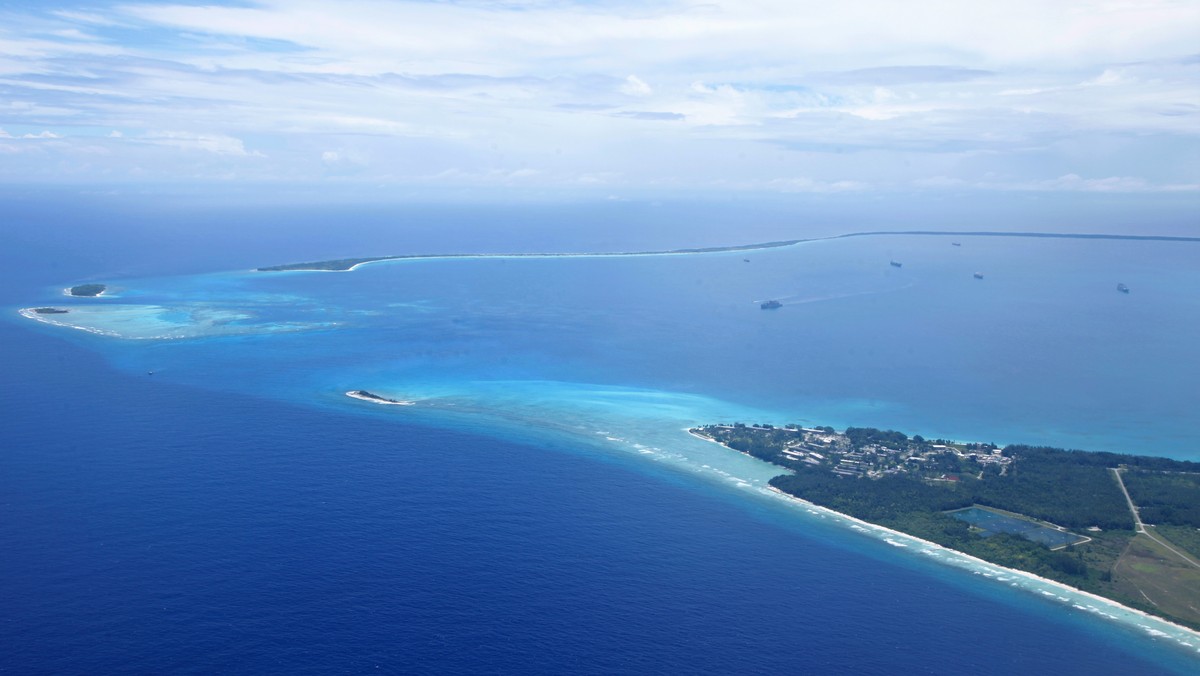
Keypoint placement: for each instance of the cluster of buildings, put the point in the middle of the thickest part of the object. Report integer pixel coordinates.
(838, 452)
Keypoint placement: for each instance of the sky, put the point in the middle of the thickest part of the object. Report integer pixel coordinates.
(779, 96)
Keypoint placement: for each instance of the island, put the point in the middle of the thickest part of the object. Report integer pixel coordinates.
(377, 399)
(336, 265)
(50, 311)
(348, 264)
(88, 290)
(1124, 527)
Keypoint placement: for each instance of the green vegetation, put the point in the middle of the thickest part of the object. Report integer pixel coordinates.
(1149, 570)
(88, 290)
(1186, 537)
(339, 265)
(342, 264)
(371, 396)
(909, 484)
(1070, 488)
(1165, 497)
(50, 311)
(862, 436)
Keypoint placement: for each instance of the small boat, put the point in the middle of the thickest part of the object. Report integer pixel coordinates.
(955, 243)
(1122, 288)
(771, 305)
(745, 260)
(897, 264)
(978, 275)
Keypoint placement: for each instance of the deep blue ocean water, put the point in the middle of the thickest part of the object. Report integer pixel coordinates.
(539, 509)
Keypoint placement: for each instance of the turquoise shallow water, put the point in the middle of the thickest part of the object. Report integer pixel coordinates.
(1042, 350)
(616, 356)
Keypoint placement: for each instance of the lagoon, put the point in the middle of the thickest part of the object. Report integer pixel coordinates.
(572, 380)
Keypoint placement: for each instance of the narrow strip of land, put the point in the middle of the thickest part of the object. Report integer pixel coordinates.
(1022, 507)
(348, 264)
(1137, 520)
(1000, 233)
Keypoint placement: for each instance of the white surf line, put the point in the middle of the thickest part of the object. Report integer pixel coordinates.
(568, 254)
(1002, 570)
(781, 244)
(998, 573)
(356, 394)
(67, 292)
(30, 313)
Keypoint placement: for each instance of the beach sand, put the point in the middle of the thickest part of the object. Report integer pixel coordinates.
(355, 394)
(1188, 638)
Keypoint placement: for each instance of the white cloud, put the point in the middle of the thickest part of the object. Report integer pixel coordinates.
(212, 143)
(86, 17)
(1064, 183)
(1110, 77)
(1074, 182)
(509, 37)
(678, 92)
(941, 182)
(345, 160)
(44, 134)
(804, 184)
(636, 86)
(456, 175)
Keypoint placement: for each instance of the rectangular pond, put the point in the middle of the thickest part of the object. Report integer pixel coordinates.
(991, 523)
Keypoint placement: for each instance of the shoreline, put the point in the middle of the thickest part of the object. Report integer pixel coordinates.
(964, 557)
(67, 292)
(300, 267)
(1017, 572)
(1014, 571)
(29, 313)
(363, 395)
(468, 256)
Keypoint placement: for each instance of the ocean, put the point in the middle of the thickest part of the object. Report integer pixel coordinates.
(186, 488)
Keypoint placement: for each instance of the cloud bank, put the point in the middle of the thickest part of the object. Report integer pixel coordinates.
(863, 95)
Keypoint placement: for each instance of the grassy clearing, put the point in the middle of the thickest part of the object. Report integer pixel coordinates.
(1152, 572)
(1184, 538)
